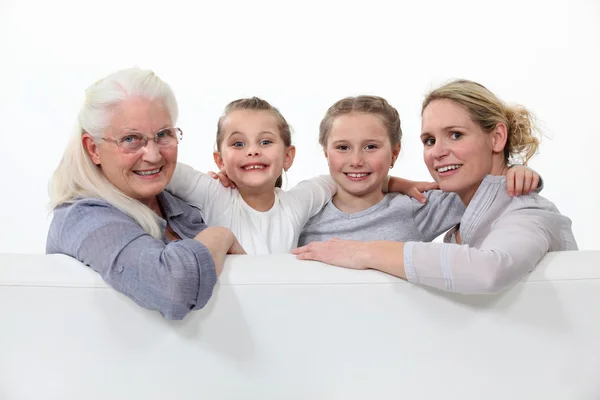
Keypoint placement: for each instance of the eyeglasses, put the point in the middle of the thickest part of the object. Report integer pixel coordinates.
(134, 142)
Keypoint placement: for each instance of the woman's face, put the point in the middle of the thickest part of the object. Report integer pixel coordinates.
(145, 173)
(457, 152)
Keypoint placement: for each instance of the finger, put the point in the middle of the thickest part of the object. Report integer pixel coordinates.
(212, 175)
(430, 186)
(519, 181)
(224, 180)
(299, 250)
(510, 183)
(536, 181)
(528, 183)
(308, 255)
(420, 197)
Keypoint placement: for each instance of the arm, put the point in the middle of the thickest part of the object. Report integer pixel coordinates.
(510, 251)
(173, 278)
(311, 195)
(199, 190)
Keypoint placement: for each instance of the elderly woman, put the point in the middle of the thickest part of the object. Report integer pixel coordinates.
(111, 211)
(470, 138)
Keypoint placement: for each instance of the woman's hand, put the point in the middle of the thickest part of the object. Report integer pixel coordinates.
(219, 241)
(521, 180)
(342, 253)
(222, 176)
(236, 247)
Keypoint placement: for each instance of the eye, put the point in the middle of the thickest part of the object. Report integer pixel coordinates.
(130, 140)
(265, 142)
(164, 133)
(428, 141)
(342, 147)
(455, 135)
(237, 144)
(371, 147)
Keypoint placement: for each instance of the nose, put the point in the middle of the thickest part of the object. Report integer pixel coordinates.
(356, 159)
(440, 149)
(151, 153)
(252, 151)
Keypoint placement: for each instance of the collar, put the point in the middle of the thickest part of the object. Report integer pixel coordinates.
(169, 204)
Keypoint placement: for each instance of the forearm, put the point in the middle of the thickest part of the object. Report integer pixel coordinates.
(385, 256)
(217, 240)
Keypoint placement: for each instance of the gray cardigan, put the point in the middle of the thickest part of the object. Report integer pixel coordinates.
(171, 277)
(503, 238)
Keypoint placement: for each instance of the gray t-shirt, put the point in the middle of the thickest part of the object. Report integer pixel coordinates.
(396, 217)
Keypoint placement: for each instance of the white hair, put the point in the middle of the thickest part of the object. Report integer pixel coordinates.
(77, 176)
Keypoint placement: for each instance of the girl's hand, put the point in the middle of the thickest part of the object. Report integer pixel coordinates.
(411, 188)
(222, 176)
(521, 180)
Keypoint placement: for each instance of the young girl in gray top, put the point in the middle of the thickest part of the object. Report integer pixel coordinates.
(361, 140)
(470, 138)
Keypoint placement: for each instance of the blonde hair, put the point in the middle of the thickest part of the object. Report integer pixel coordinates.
(76, 175)
(375, 105)
(256, 104)
(488, 111)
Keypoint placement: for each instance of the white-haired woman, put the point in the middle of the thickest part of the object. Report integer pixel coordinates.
(111, 211)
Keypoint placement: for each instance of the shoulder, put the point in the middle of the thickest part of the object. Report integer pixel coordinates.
(74, 221)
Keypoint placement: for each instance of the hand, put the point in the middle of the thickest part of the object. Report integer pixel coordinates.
(521, 180)
(411, 188)
(342, 253)
(222, 176)
(236, 247)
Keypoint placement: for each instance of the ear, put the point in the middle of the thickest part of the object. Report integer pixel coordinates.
(90, 147)
(290, 154)
(395, 152)
(326, 155)
(219, 161)
(500, 136)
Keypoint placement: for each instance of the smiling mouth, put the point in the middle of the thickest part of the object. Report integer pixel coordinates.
(254, 167)
(357, 175)
(148, 173)
(448, 168)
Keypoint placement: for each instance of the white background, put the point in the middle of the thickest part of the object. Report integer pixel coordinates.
(301, 57)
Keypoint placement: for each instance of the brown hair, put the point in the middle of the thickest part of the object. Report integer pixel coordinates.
(256, 104)
(363, 104)
(488, 111)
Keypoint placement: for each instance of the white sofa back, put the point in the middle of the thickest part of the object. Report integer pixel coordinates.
(278, 328)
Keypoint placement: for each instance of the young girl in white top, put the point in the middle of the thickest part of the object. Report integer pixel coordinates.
(253, 148)
(470, 139)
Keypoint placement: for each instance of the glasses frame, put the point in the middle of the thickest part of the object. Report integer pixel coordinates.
(118, 142)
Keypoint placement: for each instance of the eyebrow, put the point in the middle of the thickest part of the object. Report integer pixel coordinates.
(446, 128)
(243, 134)
(129, 130)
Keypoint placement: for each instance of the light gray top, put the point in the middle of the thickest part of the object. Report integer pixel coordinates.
(503, 238)
(171, 277)
(396, 217)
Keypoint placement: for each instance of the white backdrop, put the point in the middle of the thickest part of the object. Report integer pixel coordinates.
(301, 57)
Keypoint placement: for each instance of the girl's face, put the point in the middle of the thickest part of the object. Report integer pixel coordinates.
(457, 152)
(253, 154)
(359, 154)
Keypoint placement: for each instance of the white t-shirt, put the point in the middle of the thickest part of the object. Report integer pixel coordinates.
(259, 232)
